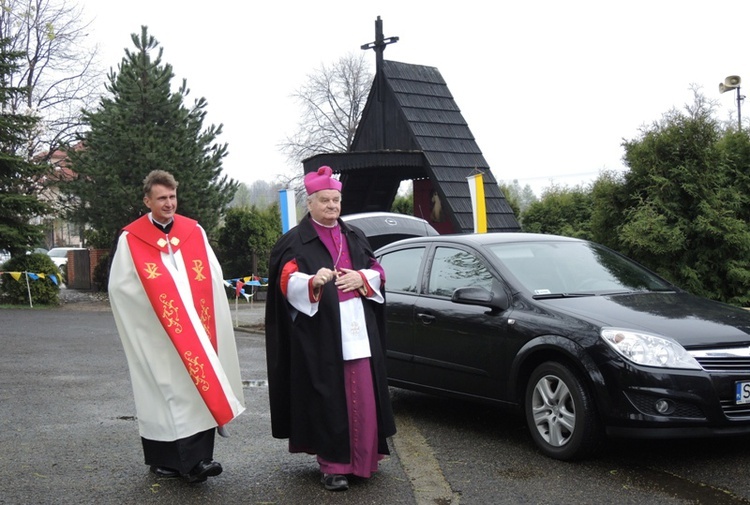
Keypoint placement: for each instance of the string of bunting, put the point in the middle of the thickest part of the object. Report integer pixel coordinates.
(31, 276)
(239, 284)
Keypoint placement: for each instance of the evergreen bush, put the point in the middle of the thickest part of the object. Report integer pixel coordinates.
(43, 290)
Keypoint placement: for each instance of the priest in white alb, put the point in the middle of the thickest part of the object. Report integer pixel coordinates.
(172, 313)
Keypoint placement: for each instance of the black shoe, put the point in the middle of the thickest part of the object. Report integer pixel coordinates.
(334, 482)
(203, 470)
(164, 472)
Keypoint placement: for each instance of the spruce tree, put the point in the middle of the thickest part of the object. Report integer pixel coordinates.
(20, 179)
(141, 126)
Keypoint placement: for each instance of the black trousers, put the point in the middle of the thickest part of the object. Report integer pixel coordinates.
(182, 454)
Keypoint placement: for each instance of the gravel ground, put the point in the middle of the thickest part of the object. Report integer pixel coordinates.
(73, 298)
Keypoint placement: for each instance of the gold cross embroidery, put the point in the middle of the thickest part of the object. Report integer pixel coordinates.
(152, 270)
(198, 269)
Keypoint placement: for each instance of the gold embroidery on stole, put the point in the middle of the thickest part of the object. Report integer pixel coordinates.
(170, 313)
(196, 371)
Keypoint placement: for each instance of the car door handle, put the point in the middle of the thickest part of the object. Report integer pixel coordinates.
(426, 318)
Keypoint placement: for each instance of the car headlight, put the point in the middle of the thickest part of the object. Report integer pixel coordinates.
(647, 349)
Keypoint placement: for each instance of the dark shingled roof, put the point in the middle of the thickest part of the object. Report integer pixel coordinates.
(412, 128)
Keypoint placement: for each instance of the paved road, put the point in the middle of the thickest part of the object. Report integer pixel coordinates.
(68, 436)
(68, 433)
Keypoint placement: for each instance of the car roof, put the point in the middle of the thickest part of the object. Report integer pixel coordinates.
(366, 215)
(479, 239)
(374, 219)
(383, 228)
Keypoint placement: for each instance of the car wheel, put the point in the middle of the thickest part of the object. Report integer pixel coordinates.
(560, 413)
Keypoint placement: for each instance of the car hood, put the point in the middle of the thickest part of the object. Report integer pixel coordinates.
(692, 321)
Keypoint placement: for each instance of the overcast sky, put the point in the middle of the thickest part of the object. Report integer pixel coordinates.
(549, 89)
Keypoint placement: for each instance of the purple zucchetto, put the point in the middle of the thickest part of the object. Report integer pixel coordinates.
(317, 181)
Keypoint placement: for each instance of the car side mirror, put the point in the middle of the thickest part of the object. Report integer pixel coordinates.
(474, 295)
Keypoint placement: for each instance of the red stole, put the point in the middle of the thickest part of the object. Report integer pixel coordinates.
(147, 243)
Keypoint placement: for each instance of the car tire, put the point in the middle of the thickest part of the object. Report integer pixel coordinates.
(560, 413)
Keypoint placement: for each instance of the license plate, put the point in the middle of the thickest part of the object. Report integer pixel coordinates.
(742, 392)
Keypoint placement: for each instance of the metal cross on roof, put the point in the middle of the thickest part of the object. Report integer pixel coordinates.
(380, 41)
(379, 46)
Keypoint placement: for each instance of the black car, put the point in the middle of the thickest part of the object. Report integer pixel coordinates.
(586, 341)
(382, 228)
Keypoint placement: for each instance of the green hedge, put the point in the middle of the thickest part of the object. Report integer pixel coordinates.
(43, 290)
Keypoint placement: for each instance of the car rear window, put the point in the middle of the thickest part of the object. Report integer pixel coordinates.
(402, 269)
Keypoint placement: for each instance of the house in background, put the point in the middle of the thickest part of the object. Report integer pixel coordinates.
(81, 264)
(412, 129)
(58, 231)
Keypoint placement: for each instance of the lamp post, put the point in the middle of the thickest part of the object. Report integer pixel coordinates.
(730, 83)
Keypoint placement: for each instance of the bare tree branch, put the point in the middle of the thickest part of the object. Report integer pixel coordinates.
(59, 71)
(332, 101)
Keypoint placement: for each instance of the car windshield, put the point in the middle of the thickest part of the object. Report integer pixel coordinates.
(58, 253)
(573, 268)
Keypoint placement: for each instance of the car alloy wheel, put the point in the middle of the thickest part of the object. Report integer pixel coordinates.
(560, 412)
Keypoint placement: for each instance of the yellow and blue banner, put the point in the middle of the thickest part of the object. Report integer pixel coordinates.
(479, 210)
(288, 208)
